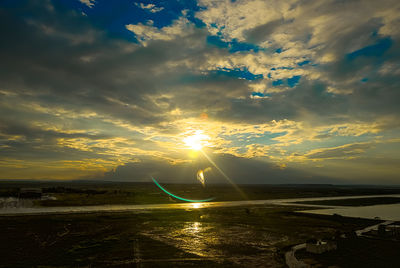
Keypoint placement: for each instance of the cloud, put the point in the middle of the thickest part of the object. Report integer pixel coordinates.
(238, 169)
(88, 3)
(345, 151)
(232, 19)
(150, 7)
(146, 33)
(77, 89)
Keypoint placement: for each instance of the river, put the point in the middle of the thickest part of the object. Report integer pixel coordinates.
(384, 212)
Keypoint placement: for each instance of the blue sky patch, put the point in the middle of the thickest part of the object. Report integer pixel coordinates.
(113, 16)
(277, 82)
(303, 63)
(236, 46)
(293, 81)
(285, 68)
(266, 138)
(233, 46)
(242, 73)
(216, 41)
(376, 50)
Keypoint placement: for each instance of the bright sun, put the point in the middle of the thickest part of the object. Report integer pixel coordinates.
(196, 141)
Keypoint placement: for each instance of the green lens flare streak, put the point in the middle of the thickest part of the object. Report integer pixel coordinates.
(180, 198)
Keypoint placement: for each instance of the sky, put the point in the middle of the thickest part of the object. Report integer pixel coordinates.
(259, 91)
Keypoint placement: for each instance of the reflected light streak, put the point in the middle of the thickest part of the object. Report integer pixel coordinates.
(181, 198)
(196, 205)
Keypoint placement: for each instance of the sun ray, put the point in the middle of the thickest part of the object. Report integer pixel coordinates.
(224, 175)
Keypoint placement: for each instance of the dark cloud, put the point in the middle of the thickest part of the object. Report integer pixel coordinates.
(238, 169)
(262, 32)
(61, 71)
(27, 142)
(69, 66)
(74, 67)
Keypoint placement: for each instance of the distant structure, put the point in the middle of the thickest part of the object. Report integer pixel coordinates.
(319, 246)
(31, 193)
(393, 230)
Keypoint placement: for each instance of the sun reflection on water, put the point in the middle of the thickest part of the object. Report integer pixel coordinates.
(194, 238)
(196, 205)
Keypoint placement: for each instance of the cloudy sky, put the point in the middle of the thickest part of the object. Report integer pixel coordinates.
(273, 91)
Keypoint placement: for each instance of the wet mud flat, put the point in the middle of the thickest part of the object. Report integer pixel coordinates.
(247, 236)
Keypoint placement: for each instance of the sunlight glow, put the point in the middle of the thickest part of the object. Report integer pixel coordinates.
(196, 141)
(196, 205)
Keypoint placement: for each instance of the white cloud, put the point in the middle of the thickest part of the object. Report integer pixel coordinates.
(232, 19)
(150, 7)
(322, 32)
(146, 33)
(89, 3)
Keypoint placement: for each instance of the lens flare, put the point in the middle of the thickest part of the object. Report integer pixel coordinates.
(181, 198)
(225, 176)
(200, 176)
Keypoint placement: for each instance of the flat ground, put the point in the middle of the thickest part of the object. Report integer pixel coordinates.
(248, 236)
(223, 237)
(356, 252)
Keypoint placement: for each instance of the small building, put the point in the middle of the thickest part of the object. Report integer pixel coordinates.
(31, 193)
(393, 230)
(319, 246)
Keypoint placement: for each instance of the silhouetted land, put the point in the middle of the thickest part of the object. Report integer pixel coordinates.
(100, 193)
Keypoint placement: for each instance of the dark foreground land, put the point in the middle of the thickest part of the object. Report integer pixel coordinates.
(223, 237)
(248, 236)
(356, 252)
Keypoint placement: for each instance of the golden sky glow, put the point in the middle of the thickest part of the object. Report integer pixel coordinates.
(272, 91)
(196, 141)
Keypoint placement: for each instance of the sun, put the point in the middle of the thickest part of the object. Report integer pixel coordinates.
(196, 141)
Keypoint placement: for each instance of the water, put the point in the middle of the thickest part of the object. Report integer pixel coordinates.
(384, 211)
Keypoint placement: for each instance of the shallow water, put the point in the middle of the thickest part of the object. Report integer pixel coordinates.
(133, 208)
(237, 243)
(384, 212)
